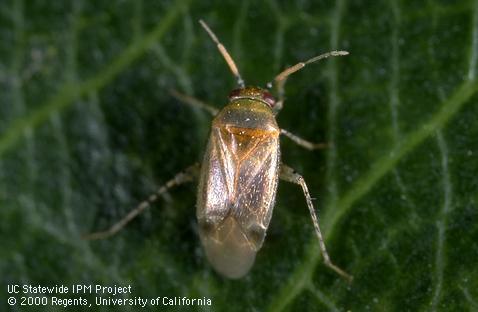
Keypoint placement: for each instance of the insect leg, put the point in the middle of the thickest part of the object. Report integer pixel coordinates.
(194, 102)
(289, 174)
(302, 142)
(184, 176)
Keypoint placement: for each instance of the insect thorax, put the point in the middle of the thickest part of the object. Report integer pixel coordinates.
(247, 114)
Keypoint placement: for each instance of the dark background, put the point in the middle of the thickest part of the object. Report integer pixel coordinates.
(88, 129)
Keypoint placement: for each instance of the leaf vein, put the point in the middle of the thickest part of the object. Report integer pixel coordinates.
(68, 92)
(442, 220)
(469, 298)
(18, 98)
(474, 44)
(334, 102)
(321, 297)
(394, 93)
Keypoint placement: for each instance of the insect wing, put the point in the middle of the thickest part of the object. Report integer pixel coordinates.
(256, 181)
(236, 195)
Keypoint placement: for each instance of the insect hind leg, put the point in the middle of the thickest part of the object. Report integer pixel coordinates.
(184, 176)
(288, 174)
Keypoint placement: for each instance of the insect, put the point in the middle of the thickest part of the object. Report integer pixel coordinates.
(239, 173)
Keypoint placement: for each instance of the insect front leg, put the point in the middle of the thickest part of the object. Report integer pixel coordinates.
(188, 175)
(290, 175)
(189, 100)
(302, 142)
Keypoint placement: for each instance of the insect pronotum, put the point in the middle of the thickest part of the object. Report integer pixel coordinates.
(239, 173)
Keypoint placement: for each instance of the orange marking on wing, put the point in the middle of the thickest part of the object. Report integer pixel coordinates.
(248, 140)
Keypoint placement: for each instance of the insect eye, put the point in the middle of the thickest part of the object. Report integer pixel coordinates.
(269, 99)
(234, 93)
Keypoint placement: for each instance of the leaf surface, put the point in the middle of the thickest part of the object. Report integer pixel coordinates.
(88, 129)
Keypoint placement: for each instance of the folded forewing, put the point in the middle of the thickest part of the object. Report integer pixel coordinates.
(256, 184)
(216, 185)
(241, 179)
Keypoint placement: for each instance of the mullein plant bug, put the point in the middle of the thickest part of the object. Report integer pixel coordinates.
(239, 173)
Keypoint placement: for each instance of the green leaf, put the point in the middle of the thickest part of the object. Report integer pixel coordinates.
(88, 129)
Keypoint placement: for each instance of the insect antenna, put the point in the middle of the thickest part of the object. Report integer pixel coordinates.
(281, 78)
(288, 71)
(225, 54)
